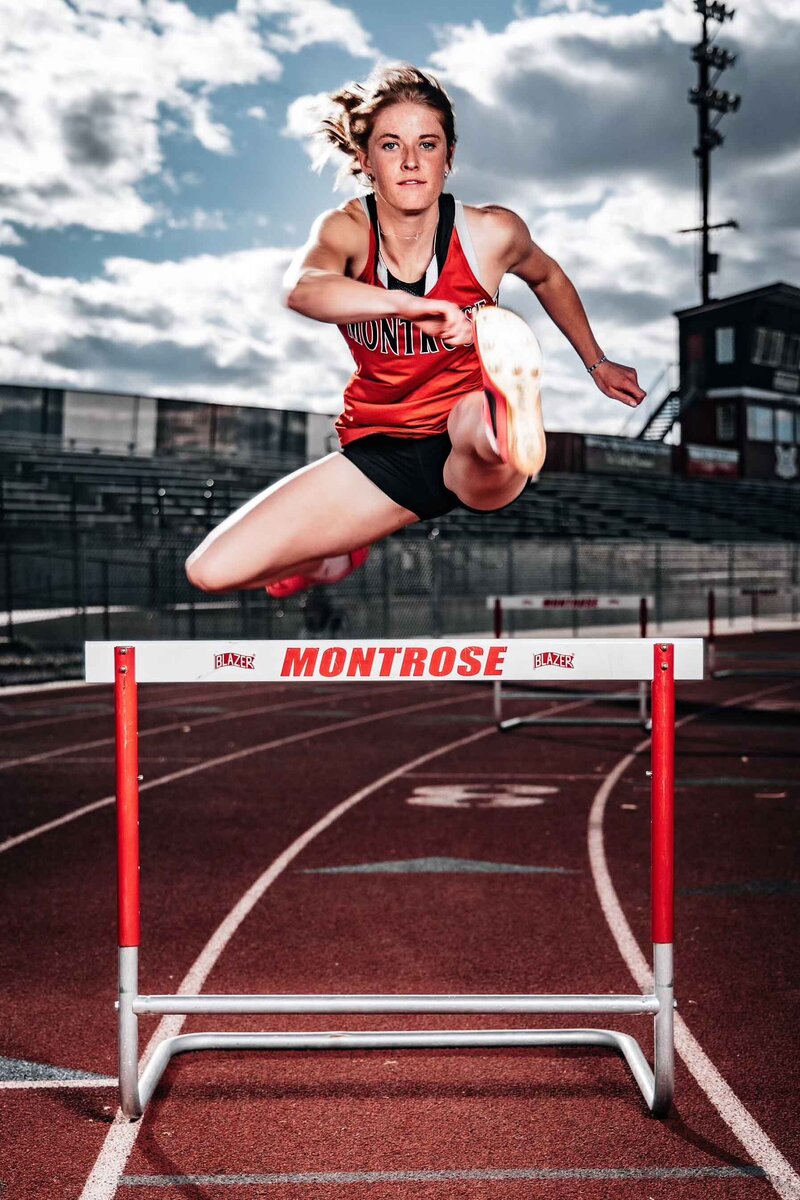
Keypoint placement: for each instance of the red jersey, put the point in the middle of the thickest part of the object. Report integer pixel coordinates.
(406, 382)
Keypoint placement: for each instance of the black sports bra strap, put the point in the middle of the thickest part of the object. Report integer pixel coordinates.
(444, 230)
(372, 208)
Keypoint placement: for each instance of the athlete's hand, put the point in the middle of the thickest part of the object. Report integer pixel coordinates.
(618, 382)
(439, 318)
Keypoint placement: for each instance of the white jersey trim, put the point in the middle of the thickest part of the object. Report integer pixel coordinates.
(467, 245)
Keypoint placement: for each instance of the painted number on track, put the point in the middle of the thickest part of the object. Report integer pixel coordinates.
(481, 795)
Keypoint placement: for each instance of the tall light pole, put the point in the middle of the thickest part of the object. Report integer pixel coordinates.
(708, 99)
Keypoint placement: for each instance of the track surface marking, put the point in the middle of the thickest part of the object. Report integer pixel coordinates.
(726, 1173)
(224, 760)
(105, 1177)
(761, 1148)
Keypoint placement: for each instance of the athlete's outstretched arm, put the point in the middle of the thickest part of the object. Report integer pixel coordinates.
(317, 285)
(559, 298)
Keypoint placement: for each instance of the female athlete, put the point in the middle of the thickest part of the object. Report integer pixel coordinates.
(444, 405)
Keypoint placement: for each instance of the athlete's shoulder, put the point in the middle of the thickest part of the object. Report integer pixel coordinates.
(496, 222)
(341, 225)
(500, 235)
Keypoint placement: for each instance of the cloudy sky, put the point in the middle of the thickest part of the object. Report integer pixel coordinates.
(155, 178)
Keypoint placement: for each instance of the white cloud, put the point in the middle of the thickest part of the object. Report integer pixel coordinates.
(200, 220)
(257, 112)
(579, 121)
(84, 92)
(208, 327)
(304, 23)
(546, 6)
(9, 236)
(89, 90)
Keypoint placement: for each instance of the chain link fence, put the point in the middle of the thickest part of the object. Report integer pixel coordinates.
(54, 596)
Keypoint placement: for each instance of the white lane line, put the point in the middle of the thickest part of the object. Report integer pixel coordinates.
(739, 1120)
(490, 1175)
(102, 1081)
(105, 1177)
(193, 695)
(85, 809)
(192, 722)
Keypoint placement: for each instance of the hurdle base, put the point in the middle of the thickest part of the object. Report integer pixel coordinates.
(641, 721)
(623, 1043)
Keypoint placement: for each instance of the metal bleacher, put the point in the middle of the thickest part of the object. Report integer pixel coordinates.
(44, 486)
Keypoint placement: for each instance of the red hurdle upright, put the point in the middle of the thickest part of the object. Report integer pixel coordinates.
(127, 762)
(516, 659)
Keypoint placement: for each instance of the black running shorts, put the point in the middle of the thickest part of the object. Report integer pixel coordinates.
(408, 470)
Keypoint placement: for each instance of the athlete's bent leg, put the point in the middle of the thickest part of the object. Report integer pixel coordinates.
(327, 508)
(474, 471)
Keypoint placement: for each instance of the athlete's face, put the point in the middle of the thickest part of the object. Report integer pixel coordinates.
(407, 155)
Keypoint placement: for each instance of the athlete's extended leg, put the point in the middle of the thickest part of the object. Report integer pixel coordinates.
(474, 471)
(497, 434)
(327, 508)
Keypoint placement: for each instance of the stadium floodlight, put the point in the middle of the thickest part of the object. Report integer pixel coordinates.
(722, 102)
(707, 99)
(714, 56)
(716, 11)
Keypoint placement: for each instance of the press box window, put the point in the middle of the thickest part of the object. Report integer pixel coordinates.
(726, 422)
(724, 345)
(759, 424)
(784, 426)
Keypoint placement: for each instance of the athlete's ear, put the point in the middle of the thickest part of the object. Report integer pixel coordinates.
(363, 160)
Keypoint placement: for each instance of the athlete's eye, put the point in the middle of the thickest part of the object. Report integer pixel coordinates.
(428, 145)
(388, 145)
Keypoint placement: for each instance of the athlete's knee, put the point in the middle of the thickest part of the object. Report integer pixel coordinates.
(205, 571)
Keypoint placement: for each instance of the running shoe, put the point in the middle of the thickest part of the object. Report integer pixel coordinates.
(284, 588)
(511, 362)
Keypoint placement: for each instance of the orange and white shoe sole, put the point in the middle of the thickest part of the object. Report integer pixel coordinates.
(511, 361)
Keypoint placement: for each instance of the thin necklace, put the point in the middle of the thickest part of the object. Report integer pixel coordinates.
(407, 237)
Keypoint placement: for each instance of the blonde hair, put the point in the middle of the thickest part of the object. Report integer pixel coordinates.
(356, 105)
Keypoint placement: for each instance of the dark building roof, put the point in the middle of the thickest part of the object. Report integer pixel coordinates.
(786, 291)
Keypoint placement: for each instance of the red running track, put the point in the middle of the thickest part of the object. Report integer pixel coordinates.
(481, 1123)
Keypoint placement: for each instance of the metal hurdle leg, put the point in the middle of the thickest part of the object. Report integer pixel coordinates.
(655, 1084)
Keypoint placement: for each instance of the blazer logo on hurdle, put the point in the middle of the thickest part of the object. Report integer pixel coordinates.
(230, 658)
(550, 658)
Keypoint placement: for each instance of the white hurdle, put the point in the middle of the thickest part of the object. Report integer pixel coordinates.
(777, 664)
(574, 603)
(659, 662)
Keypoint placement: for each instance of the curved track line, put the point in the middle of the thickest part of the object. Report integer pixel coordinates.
(739, 1120)
(19, 838)
(172, 702)
(110, 1163)
(217, 718)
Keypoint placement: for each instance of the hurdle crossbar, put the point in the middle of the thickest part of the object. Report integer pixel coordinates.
(782, 664)
(575, 603)
(153, 662)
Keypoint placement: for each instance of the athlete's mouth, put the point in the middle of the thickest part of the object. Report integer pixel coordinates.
(411, 182)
